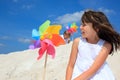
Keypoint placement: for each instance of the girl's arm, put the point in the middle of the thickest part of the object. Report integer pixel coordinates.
(72, 59)
(99, 61)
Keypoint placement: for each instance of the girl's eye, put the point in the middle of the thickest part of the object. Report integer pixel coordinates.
(83, 25)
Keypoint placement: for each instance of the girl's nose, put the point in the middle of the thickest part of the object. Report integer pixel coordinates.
(81, 27)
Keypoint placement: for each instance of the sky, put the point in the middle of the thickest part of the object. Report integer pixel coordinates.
(19, 17)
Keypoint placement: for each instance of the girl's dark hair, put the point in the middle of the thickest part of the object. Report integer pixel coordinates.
(66, 32)
(103, 28)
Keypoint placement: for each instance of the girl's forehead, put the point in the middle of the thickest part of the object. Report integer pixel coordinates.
(86, 22)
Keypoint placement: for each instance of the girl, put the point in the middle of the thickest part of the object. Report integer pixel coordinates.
(88, 55)
(66, 36)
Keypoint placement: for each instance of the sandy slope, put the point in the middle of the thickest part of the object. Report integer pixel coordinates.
(23, 65)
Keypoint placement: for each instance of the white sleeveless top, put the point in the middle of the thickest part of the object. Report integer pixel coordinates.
(86, 55)
(66, 40)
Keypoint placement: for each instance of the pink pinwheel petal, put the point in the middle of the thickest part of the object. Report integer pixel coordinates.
(51, 50)
(42, 49)
(49, 42)
(46, 45)
(69, 30)
(50, 47)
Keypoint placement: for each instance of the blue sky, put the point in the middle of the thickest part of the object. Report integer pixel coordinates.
(19, 17)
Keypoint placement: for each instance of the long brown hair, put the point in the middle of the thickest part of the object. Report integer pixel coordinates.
(103, 27)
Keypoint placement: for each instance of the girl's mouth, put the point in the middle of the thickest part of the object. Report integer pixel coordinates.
(82, 32)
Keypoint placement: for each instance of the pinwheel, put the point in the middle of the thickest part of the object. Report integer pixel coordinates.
(46, 31)
(71, 28)
(53, 39)
(46, 39)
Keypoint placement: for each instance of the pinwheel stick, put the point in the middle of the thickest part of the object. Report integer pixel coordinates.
(44, 73)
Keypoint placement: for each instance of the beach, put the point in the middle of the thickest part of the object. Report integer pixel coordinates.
(23, 65)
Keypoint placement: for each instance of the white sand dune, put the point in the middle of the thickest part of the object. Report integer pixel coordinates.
(23, 65)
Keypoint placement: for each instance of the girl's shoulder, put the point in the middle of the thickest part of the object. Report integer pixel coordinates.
(76, 40)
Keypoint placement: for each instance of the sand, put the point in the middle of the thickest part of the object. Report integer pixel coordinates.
(23, 65)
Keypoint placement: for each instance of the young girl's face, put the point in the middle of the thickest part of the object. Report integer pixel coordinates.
(87, 30)
(66, 35)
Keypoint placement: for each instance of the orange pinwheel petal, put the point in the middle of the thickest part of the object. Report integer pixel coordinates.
(57, 40)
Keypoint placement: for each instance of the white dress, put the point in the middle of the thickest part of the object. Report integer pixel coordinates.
(86, 55)
(66, 40)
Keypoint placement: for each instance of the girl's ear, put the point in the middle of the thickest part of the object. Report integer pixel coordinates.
(96, 29)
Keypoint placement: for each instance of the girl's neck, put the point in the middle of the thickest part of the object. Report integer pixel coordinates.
(93, 40)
